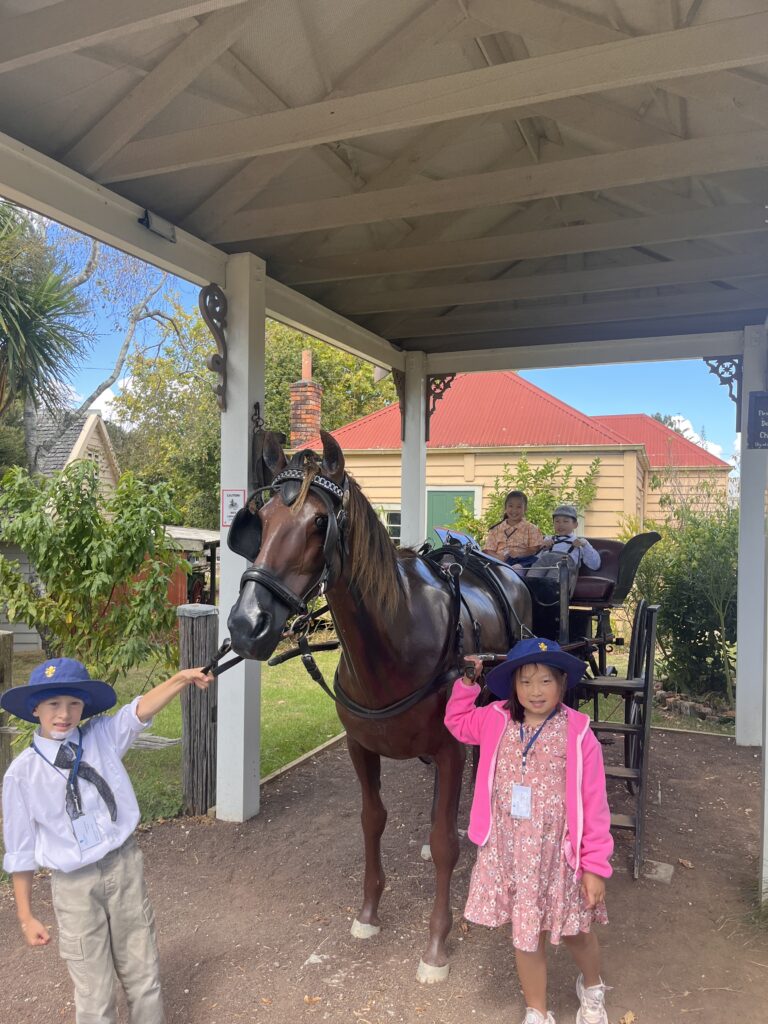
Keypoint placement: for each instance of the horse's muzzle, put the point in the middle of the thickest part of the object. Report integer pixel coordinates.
(256, 623)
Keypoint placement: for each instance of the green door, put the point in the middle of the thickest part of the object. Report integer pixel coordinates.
(441, 509)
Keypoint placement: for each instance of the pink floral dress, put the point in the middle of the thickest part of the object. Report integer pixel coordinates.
(521, 875)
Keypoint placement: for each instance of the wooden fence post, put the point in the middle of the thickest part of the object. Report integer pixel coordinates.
(198, 643)
(6, 682)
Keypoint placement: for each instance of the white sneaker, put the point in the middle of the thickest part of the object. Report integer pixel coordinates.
(592, 999)
(537, 1017)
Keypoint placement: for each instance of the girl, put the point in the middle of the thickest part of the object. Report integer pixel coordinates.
(514, 539)
(539, 816)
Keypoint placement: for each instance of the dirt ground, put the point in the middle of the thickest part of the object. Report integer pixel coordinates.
(254, 919)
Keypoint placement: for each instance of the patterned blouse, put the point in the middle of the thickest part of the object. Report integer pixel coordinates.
(514, 540)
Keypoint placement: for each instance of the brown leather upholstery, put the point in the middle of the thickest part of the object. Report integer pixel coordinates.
(595, 586)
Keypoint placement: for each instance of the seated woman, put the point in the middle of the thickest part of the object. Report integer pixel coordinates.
(514, 540)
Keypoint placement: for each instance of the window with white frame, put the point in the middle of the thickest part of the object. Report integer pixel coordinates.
(391, 517)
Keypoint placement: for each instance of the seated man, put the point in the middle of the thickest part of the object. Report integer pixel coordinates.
(514, 540)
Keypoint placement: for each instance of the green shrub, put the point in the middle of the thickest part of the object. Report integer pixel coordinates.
(546, 486)
(691, 573)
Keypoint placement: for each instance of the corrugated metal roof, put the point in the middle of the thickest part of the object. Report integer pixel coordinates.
(665, 447)
(485, 410)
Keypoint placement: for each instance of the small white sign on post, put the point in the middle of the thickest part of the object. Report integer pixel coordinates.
(232, 500)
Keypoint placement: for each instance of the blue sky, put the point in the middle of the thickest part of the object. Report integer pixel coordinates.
(686, 389)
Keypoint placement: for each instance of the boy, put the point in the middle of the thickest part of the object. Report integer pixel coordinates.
(565, 540)
(514, 539)
(68, 805)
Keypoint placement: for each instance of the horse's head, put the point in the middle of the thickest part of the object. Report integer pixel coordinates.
(294, 542)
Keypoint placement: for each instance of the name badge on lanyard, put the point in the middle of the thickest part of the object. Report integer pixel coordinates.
(86, 831)
(521, 804)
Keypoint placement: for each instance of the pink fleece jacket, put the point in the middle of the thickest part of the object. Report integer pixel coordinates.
(588, 842)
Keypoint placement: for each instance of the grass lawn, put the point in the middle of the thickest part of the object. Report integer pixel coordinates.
(295, 717)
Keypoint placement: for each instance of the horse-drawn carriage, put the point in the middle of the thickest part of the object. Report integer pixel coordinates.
(404, 621)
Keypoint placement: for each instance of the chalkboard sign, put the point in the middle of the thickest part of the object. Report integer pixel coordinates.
(757, 423)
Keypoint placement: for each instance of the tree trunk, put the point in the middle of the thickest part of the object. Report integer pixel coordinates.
(198, 633)
(6, 682)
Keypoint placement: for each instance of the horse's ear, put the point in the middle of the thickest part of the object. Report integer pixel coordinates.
(273, 454)
(333, 458)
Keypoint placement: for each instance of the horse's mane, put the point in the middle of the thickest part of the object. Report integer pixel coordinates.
(373, 558)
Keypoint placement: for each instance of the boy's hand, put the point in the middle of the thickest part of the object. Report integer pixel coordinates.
(547, 543)
(593, 887)
(35, 933)
(188, 676)
(578, 542)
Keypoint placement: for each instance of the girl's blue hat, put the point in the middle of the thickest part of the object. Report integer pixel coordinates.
(54, 678)
(535, 650)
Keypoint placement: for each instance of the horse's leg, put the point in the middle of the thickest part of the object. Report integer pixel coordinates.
(426, 852)
(373, 818)
(444, 842)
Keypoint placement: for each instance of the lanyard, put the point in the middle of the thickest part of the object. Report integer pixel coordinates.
(73, 770)
(535, 736)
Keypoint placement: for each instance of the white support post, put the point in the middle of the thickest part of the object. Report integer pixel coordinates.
(239, 708)
(414, 462)
(751, 683)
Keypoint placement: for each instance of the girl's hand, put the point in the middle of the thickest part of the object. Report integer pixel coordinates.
(35, 933)
(477, 668)
(593, 887)
(188, 676)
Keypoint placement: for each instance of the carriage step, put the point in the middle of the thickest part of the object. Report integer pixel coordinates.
(610, 684)
(617, 727)
(628, 821)
(620, 772)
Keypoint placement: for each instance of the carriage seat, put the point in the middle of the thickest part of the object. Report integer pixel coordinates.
(610, 584)
(596, 586)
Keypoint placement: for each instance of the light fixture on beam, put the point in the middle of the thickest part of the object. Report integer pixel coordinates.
(158, 225)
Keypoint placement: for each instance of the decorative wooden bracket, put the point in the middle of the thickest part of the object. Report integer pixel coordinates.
(437, 386)
(213, 307)
(727, 369)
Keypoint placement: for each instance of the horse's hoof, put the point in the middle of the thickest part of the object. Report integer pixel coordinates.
(426, 852)
(364, 931)
(428, 974)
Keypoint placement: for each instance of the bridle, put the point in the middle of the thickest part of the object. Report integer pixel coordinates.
(244, 537)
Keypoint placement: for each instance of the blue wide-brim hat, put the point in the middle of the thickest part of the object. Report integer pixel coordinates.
(535, 650)
(54, 678)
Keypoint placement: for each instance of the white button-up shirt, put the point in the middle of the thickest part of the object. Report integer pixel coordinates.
(36, 827)
(585, 554)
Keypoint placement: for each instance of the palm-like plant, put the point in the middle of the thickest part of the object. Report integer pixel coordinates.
(40, 341)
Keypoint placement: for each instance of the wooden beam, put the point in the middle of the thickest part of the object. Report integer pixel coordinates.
(538, 286)
(159, 87)
(591, 353)
(376, 66)
(74, 24)
(523, 86)
(652, 307)
(498, 188)
(523, 245)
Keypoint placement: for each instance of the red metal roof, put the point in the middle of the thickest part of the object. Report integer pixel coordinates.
(485, 410)
(501, 409)
(665, 447)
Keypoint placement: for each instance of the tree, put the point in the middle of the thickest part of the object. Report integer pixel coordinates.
(170, 419)
(53, 284)
(551, 484)
(40, 340)
(102, 566)
(692, 574)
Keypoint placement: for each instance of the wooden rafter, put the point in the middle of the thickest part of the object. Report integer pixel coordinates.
(71, 25)
(524, 87)
(567, 177)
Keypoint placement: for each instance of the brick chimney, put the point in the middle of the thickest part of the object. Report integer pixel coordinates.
(306, 395)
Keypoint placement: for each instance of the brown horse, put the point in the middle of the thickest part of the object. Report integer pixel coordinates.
(396, 616)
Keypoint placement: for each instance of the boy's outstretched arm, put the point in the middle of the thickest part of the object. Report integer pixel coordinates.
(150, 703)
(35, 933)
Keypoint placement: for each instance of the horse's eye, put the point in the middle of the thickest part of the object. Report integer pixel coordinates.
(321, 522)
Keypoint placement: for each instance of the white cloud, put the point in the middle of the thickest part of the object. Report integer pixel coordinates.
(685, 426)
(104, 405)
